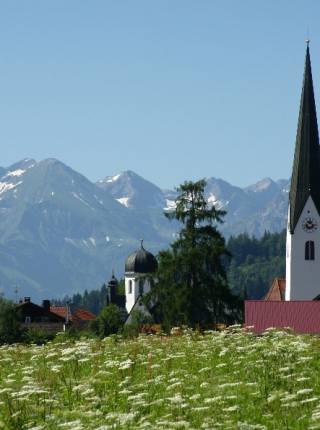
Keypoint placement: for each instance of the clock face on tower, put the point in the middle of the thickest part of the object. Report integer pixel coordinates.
(309, 225)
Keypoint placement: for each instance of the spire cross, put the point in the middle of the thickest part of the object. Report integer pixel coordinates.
(141, 240)
(16, 291)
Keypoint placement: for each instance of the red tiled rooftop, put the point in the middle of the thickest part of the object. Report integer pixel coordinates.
(59, 310)
(77, 314)
(83, 315)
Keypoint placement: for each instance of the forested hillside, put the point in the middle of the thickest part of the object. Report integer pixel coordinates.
(255, 263)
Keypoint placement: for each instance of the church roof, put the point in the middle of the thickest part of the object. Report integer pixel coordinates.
(113, 281)
(305, 180)
(138, 306)
(141, 261)
(277, 290)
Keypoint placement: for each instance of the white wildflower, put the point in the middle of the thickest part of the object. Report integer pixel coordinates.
(305, 391)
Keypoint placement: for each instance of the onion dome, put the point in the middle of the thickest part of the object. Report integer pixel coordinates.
(113, 281)
(141, 261)
(112, 289)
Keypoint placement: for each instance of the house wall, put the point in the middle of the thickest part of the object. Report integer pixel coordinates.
(47, 327)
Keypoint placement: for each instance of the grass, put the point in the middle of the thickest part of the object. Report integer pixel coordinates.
(220, 380)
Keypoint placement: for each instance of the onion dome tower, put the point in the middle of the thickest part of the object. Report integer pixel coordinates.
(112, 289)
(138, 265)
(303, 236)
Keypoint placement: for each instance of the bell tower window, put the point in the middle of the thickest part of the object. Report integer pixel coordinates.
(309, 250)
(130, 287)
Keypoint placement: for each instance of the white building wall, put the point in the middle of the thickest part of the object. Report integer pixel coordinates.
(131, 297)
(288, 259)
(303, 276)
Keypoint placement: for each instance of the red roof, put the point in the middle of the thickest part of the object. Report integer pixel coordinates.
(76, 314)
(59, 310)
(302, 316)
(277, 290)
(83, 314)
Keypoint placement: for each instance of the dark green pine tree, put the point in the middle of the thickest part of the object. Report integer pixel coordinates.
(191, 284)
(10, 330)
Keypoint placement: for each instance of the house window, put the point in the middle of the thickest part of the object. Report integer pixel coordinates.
(28, 320)
(130, 287)
(309, 250)
(141, 287)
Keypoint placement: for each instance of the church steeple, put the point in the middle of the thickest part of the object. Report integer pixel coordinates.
(305, 180)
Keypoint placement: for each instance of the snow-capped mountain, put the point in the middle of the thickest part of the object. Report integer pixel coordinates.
(254, 209)
(60, 233)
(132, 191)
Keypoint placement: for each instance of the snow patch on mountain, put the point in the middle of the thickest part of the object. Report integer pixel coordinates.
(17, 172)
(261, 186)
(212, 199)
(85, 243)
(93, 241)
(113, 178)
(76, 196)
(170, 205)
(124, 201)
(98, 200)
(69, 240)
(218, 204)
(6, 186)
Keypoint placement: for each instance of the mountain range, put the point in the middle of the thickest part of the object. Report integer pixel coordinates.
(61, 233)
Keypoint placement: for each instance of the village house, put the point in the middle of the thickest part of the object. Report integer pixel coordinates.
(51, 318)
(32, 315)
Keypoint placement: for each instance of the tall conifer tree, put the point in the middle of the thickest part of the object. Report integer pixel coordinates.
(191, 284)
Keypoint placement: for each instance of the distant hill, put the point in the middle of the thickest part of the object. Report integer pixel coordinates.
(60, 233)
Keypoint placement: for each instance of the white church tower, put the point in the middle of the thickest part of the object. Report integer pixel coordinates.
(137, 282)
(303, 231)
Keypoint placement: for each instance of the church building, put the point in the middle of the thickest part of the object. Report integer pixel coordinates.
(303, 237)
(294, 301)
(303, 244)
(138, 266)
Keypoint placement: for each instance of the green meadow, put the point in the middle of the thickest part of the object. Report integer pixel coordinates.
(217, 380)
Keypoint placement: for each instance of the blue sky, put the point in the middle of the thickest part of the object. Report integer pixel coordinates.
(172, 89)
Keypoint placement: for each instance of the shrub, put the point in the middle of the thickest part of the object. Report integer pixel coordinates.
(37, 336)
(109, 321)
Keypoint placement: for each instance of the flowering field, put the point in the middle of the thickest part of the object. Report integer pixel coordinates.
(220, 380)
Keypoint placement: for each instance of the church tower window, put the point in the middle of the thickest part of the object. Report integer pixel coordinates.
(309, 250)
(130, 287)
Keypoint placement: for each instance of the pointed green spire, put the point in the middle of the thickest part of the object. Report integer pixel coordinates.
(305, 180)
